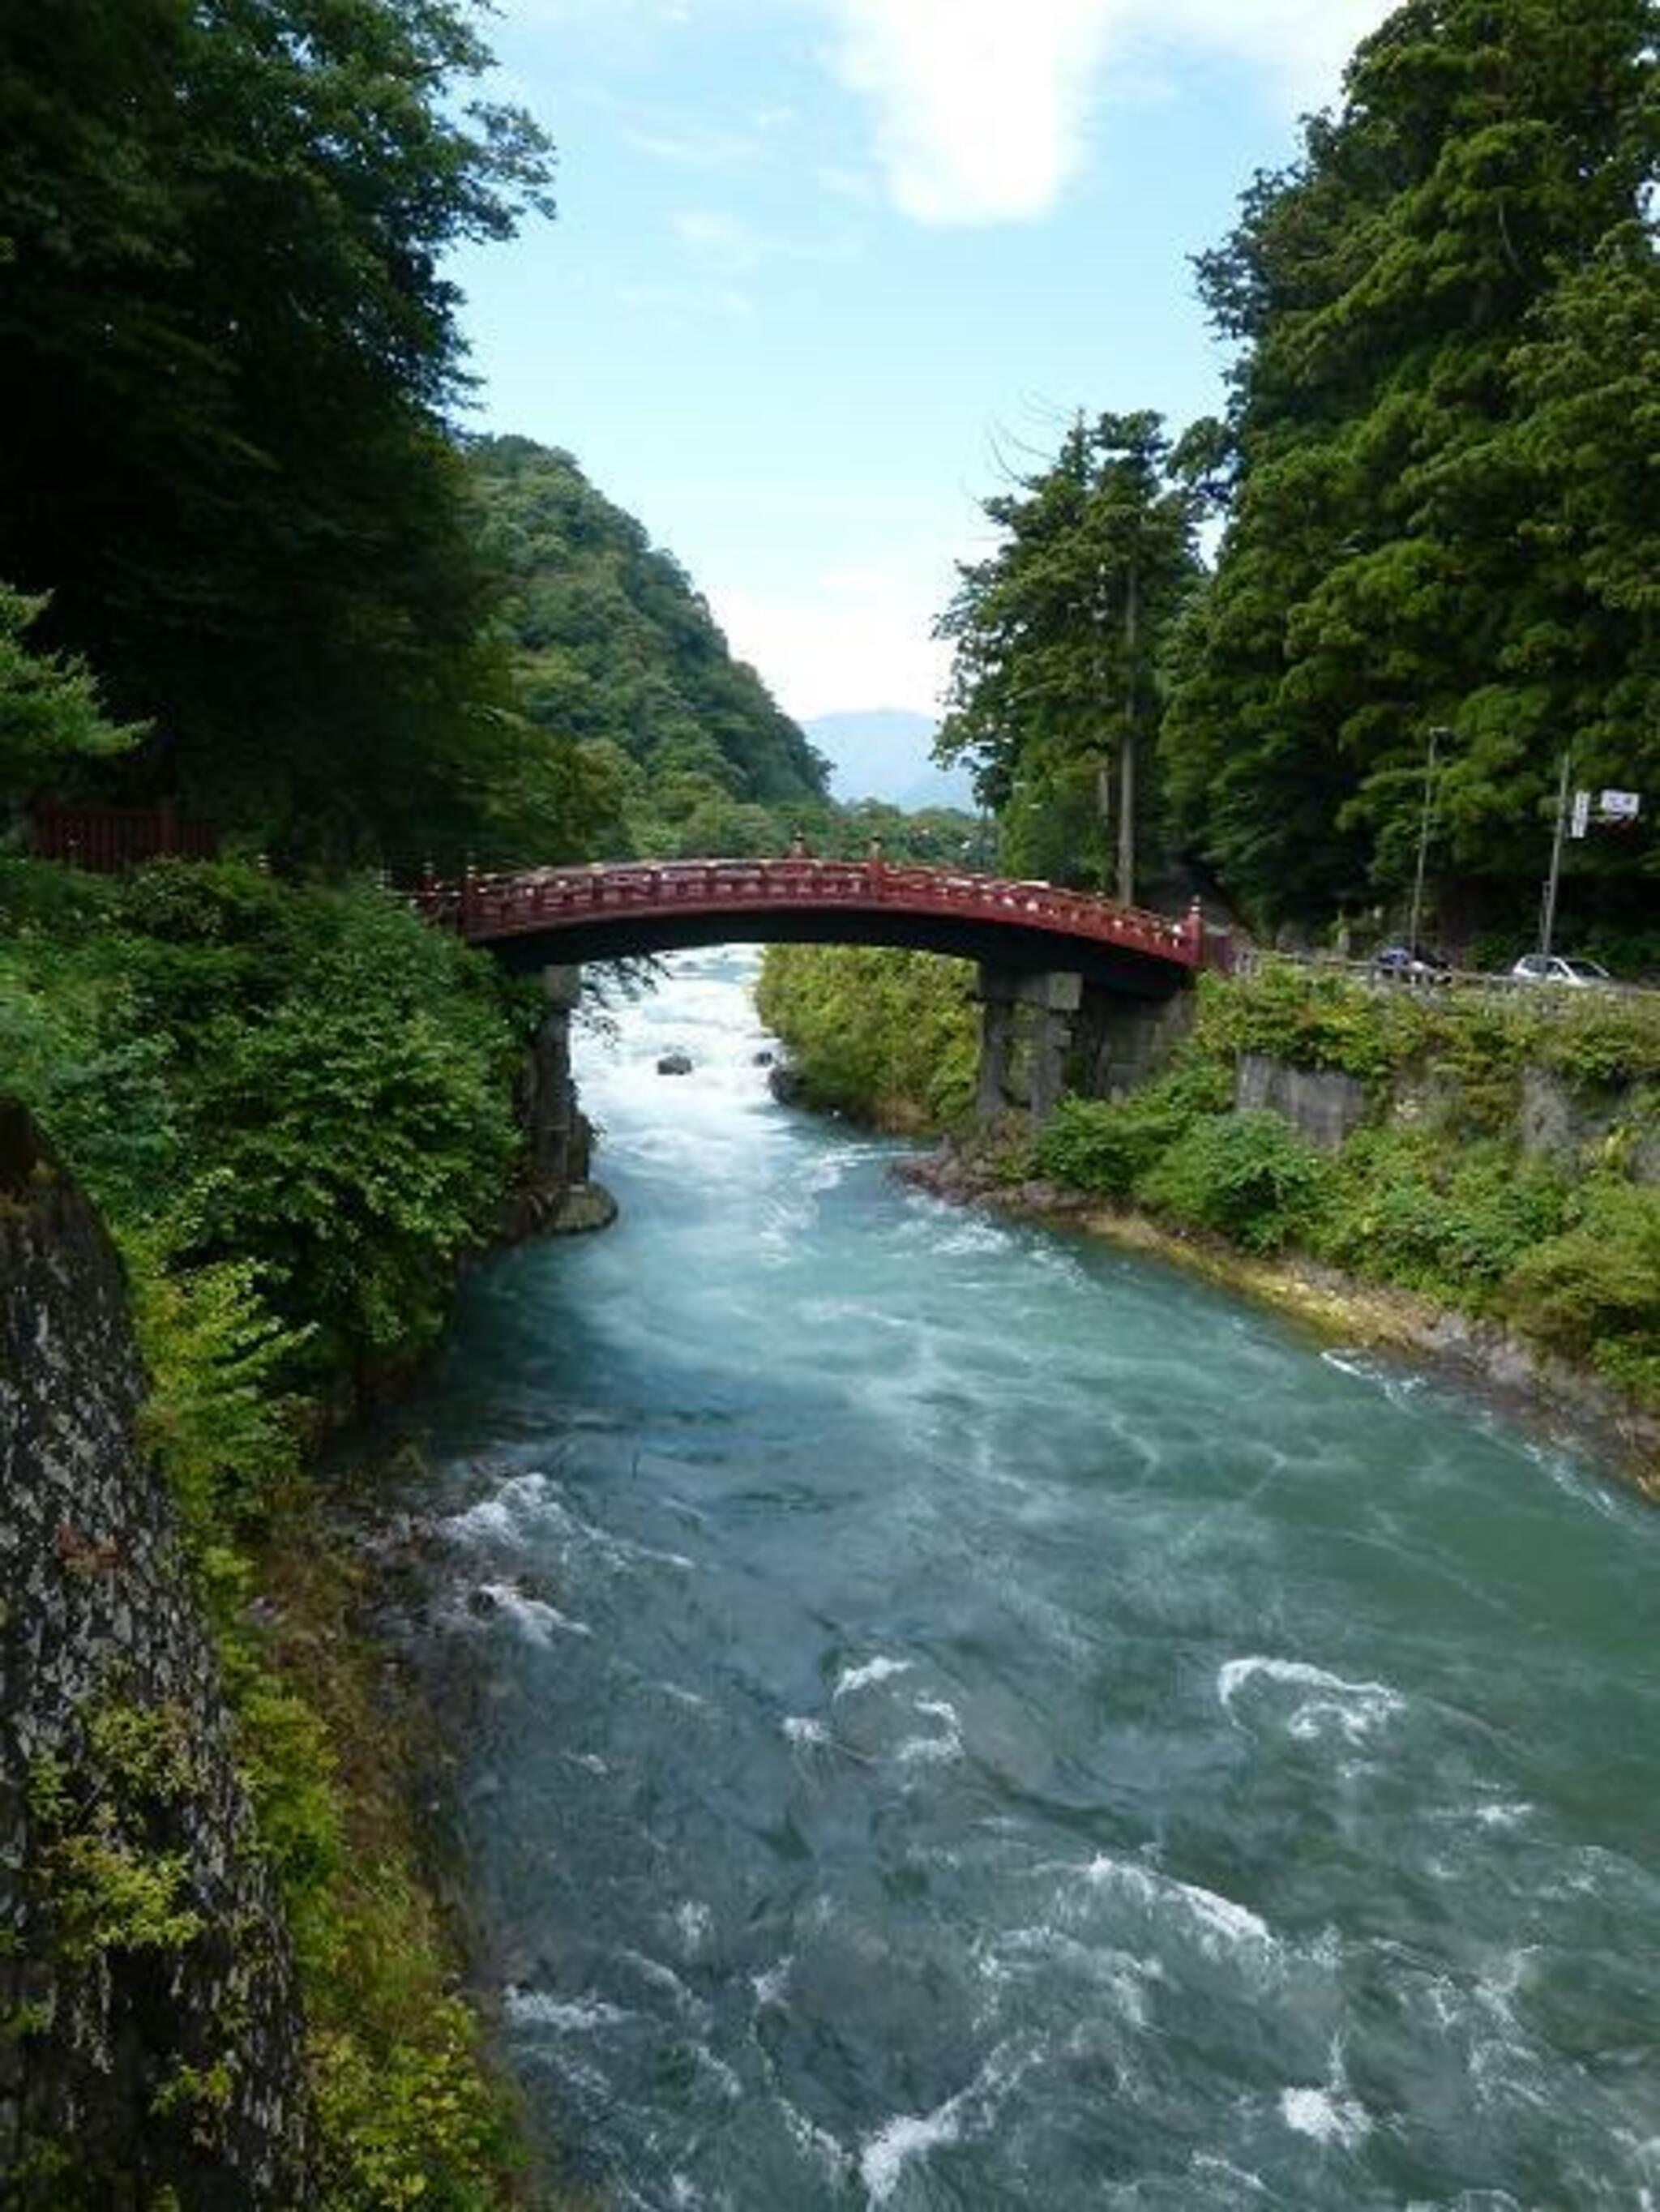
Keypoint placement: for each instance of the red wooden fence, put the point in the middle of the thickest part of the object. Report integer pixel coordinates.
(107, 839)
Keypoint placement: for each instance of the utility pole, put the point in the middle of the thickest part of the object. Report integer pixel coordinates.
(1435, 732)
(1547, 922)
(1127, 749)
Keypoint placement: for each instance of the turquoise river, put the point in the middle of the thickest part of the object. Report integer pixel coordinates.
(962, 1718)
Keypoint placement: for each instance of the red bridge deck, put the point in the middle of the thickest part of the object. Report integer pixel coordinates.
(591, 902)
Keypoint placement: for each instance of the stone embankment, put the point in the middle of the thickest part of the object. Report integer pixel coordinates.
(151, 2036)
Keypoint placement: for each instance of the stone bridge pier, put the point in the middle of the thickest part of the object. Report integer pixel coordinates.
(1044, 1031)
(557, 1195)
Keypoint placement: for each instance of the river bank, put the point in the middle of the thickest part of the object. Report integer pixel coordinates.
(1567, 1402)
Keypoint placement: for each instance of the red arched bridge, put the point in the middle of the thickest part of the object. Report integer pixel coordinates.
(543, 916)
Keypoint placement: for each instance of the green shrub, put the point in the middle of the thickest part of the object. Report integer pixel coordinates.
(1246, 1175)
(875, 1033)
(1594, 1292)
(1108, 1146)
(215, 1414)
(1450, 1220)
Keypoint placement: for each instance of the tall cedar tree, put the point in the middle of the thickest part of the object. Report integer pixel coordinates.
(226, 354)
(1446, 423)
(1057, 635)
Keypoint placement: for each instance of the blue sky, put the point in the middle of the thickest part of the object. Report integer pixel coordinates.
(825, 269)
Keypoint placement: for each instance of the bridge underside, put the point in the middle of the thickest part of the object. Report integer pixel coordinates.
(1024, 948)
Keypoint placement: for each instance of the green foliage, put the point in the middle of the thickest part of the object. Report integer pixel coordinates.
(1056, 637)
(228, 346)
(1479, 1042)
(292, 1103)
(294, 1106)
(1444, 438)
(881, 1035)
(1248, 1177)
(50, 711)
(416, 2125)
(1452, 1221)
(408, 2108)
(1098, 1144)
(108, 1880)
(216, 1412)
(1594, 1292)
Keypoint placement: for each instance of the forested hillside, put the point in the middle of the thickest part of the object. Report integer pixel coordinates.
(1436, 594)
(681, 746)
(1445, 440)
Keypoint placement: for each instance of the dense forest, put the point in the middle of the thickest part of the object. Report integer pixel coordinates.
(1437, 473)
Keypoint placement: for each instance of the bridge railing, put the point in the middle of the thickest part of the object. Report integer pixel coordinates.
(484, 907)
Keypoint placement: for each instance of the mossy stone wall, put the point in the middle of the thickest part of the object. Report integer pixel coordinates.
(151, 2035)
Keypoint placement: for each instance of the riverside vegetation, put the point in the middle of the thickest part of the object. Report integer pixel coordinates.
(1435, 1192)
(293, 1109)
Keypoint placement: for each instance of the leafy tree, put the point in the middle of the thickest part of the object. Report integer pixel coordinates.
(225, 353)
(50, 715)
(1057, 634)
(1446, 446)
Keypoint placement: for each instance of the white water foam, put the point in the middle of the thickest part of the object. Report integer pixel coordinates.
(694, 1923)
(657, 1976)
(873, 1670)
(533, 1616)
(770, 1984)
(1124, 1978)
(1328, 2119)
(1219, 1924)
(884, 2155)
(802, 1728)
(1222, 2169)
(813, 2142)
(1353, 1709)
(933, 1750)
(1332, 2114)
(565, 2016)
(502, 1516)
(1397, 1385)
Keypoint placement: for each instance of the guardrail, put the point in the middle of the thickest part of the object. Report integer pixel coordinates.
(1250, 960)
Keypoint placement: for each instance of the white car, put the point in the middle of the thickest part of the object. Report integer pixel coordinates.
(1553, 968)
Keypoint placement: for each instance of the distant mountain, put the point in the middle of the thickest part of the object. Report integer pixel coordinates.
(885, 753)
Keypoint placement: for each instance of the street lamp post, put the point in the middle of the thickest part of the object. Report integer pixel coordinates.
(1436, 733)
(1548, 920)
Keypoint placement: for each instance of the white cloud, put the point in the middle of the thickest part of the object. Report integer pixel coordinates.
(853, 638)
(1300, 45)
(983, 107)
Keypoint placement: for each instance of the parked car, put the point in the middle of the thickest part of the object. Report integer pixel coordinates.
(1410, 963)
(1556, 968)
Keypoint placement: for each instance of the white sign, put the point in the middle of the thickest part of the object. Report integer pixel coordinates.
(1580, 820)
(1617, 805)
